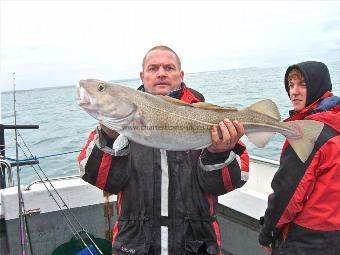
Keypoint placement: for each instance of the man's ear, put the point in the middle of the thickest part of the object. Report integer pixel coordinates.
(141, 75)
(182, 75)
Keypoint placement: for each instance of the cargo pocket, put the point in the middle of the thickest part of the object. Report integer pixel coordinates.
(131, 237)
(200, 237)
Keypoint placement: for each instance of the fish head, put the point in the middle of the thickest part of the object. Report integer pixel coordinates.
(103, 100)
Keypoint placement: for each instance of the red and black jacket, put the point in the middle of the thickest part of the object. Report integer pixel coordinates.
(304, 207)
(137, 179)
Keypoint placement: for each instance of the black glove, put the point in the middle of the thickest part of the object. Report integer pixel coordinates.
(267, 238)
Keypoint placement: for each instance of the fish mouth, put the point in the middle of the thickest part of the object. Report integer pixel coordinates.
(84, 100)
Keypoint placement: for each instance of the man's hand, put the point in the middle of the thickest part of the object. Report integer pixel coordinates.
(111, 133)
(230, 133)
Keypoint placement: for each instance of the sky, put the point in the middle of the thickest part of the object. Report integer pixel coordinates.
(58, 43)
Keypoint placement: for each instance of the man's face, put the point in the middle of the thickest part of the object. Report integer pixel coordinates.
(161, 73)
(298, 93)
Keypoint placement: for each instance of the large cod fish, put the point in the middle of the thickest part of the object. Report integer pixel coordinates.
(167, 123)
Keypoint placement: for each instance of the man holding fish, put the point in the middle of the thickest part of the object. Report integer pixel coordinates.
(167, 179)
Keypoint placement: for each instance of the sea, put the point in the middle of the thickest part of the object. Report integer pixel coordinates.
(64, 126)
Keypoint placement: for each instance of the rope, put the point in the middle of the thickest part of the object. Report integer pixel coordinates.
(41, 157)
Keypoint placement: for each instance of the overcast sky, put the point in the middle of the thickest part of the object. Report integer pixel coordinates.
(49, 43)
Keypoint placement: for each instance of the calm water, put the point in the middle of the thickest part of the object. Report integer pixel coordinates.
(64, 126)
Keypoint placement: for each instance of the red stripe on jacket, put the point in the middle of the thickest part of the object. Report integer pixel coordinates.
(103, 171)
(226, 179)
(119, 210)
(215, 224)
(82, 154)
(245, 161)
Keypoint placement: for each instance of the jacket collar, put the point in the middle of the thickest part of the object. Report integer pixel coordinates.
(307, 110)
(174, 93)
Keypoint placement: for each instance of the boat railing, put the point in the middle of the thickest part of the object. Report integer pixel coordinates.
(265, 160)
(7, 165)
(29, 186)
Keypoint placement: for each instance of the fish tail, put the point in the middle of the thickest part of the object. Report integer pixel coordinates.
(304, 135)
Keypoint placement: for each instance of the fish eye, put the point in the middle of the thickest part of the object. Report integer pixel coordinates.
(101, 87)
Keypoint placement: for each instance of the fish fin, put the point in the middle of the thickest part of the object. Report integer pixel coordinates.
(139, 124)
(202, 105)
(260, 139)
(304, 139)
(173, 100)
(214, 107)
(266, 107)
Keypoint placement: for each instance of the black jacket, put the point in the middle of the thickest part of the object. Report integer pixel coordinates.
(166, 199)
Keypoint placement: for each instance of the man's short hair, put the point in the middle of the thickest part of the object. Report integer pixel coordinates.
(166, 48)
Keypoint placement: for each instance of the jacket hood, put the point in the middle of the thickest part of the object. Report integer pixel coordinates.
(328, 112)
(317, 78)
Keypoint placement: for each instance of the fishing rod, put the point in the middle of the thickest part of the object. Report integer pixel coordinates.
(23, 226)
(62, 211)
(20, 198)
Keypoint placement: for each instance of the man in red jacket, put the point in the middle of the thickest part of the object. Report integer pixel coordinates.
(166, 200)
(303, 214)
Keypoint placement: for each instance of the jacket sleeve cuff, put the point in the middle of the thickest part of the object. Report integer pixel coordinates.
(115, 147)
(265, 240)
(212, 161)
(267, 237)
(239, 149)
